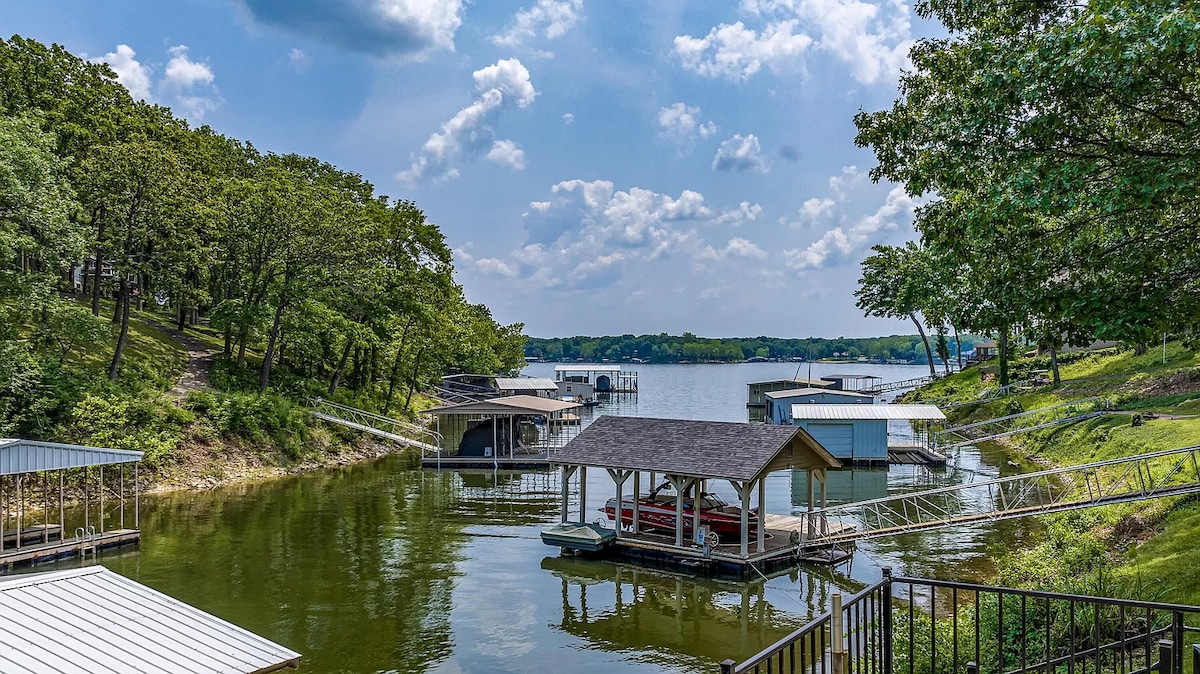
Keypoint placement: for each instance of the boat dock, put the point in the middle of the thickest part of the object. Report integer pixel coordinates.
(602, 378)
(34, 479)
(518, 432)
(690, 455)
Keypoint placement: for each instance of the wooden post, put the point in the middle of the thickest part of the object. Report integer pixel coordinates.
(20, 523)
(45, 506)
(101, 483)
(809, 524)
(637, 499)
(762, 512)
(566, 478)
(824, 503)
(743, 490)
(697, 489)
(62, 524)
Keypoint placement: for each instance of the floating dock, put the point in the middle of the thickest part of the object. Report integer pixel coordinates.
(71, 547)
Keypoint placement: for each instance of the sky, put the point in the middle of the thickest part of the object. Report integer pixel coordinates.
(598, 167)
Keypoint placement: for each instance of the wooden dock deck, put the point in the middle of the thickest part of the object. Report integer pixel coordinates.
(31, 534)
(782, 548)
(538, 461)
(70, 547)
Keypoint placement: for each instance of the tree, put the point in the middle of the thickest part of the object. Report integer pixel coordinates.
(894, 284)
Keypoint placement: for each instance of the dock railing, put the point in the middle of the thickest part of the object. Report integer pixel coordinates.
(918, 626)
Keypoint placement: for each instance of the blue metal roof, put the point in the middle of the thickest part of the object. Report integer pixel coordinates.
(34, 456)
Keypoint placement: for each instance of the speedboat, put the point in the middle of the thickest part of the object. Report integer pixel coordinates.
(657, 511)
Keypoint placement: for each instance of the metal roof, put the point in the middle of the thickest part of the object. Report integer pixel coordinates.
(506, 405)
(32, 456)
(526, 384)
(710, 449)
(585, 367)
(94, 620)
(793, 392)
(803, 411)
(850, 376)
(811, 383)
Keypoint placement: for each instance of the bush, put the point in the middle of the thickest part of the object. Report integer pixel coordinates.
(266, 419)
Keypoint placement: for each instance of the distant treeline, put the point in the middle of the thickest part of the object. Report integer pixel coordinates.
(664, 348)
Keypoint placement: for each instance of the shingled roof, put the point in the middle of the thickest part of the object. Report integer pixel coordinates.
(709, 449)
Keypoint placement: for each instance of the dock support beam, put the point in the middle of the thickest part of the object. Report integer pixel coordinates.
(619, 477)
(762, 512)
(583, 493)
(743, 491)
(637, 497)
(567, 472)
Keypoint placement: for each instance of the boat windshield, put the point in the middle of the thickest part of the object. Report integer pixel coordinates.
(710, 501)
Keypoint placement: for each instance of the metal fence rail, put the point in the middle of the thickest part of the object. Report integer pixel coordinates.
(898, 385)
(402, 432)
(1012, 424)
(921, 626)
(1167, 473)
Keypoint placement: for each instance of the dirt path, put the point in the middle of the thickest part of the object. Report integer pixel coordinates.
(195, 376)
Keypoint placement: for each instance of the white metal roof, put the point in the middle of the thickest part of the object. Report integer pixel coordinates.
(32, 456)
(587, 367)
(793, 392)
(506, 406)
(803, 412)
(526, 384)
(94, 620)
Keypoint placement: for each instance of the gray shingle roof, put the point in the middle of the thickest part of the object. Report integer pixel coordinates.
(710, 449)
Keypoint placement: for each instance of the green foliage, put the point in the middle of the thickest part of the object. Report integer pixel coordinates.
(127, 422)
(264, 419)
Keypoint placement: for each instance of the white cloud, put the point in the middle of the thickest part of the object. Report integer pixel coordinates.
(507, 153)
(736, 247)
(740, 153)
(130, 73)
(501, 84)
(568, 118)
(494, 266)
(183, 72)
(872, 38)
(553, 18)
(840, 242)
(300, 61)
(408, 28)
(812, 212)
(736, 52)
(681, 122)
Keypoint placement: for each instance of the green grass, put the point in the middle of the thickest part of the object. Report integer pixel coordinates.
(1169, 559)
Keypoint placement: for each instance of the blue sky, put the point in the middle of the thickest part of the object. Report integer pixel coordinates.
(598, 167)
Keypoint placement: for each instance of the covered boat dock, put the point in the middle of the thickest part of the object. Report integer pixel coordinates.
(94, 620)
(690, 455)
(35, 477)
(513, 432)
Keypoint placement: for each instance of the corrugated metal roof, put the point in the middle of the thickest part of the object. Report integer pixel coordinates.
(851, 376)
(711, 449)
(507, 405)
(792, 393)
(94, 620)
(811, 383)
(808, 412)
(526, 384)
(585, 367)
(31, 456)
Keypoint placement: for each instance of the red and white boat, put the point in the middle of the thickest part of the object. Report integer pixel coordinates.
(657, 511)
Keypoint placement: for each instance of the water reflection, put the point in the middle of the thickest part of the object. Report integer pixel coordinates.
(682, 621)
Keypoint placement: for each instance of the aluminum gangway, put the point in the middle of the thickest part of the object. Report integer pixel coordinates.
(1014, 424)
(394, 430)
(897, 385)
(1168, 473)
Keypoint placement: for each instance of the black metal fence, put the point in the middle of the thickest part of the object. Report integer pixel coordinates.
(920, 626)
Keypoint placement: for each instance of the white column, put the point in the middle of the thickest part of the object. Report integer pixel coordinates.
(696, 490)
(637, 499)
(743, 490)
(824, 518)
(762, 512)
(583, 493)
(679, 486)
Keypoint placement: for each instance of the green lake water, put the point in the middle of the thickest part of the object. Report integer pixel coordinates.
(384, 567)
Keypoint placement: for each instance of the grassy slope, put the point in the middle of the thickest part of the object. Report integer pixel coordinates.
(1151, 545)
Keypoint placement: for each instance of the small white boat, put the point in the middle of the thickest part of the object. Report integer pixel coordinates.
(578, 536)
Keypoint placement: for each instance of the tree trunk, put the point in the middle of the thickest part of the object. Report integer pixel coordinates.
(387, 403)
(957, 346)
(241, 361)
(123, 308)
(124, 291)
(412, 383)
(1054, 364)
(1004, 357)
(181, 322)
(228, 343)
(264, 377)
(337, 374)
(925, 341)
(99, 259)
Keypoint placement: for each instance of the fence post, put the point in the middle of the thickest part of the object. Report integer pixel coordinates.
(838, 656)
(972, 668)
(886, 617)
(1196, 658)
(727, 666)
(1177, 640)
(1166, 651)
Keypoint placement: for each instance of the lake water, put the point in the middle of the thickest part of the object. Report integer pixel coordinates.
(383, 567)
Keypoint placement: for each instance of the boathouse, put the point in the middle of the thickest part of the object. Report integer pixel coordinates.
(692, 456)
(35, 524)
(852, 382)
(757, 390)
(94, 620)
(510, 432)
(538, 387)
(779, 403)
(865, 434)
(604, 378)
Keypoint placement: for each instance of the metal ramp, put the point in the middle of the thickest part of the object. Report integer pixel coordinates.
(1014, 424)
(1136, 478)
(897, 385)
(394, 430)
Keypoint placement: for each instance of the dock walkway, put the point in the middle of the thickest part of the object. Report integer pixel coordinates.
(70, 547)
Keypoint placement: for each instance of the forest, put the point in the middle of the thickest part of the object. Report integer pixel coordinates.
(116, 215)
(664, 348)
(1059, 201)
